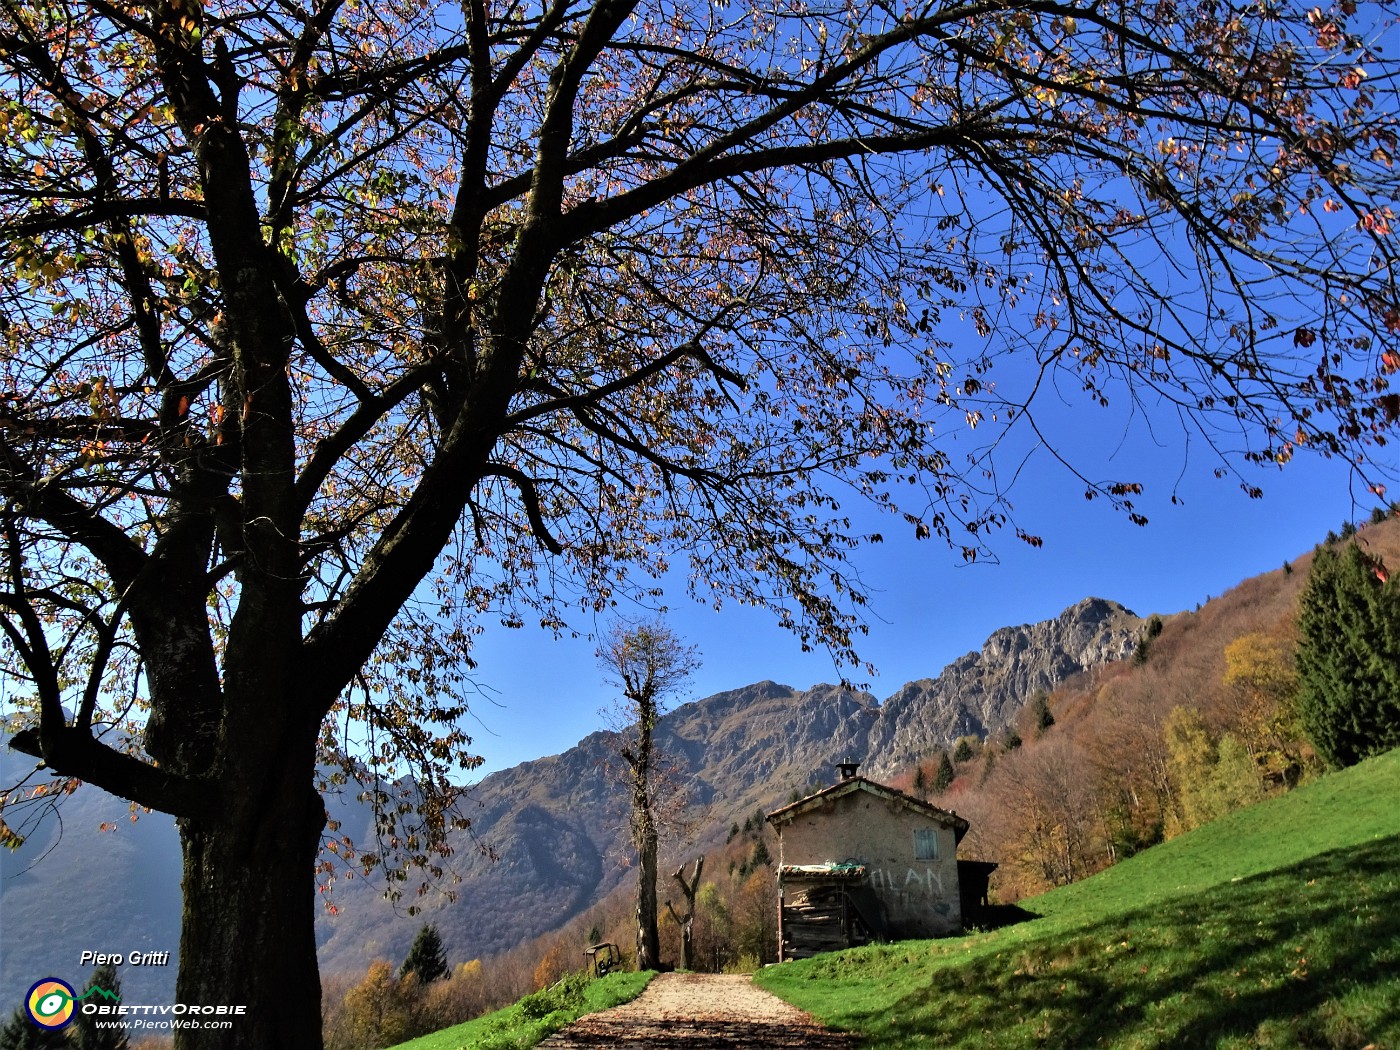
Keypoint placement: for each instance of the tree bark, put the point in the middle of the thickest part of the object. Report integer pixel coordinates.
(648, 938)
(248, 931)
(644, 834)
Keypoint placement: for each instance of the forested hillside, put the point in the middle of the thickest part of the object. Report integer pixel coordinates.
(555, 829)
(1266, 928)
(1199, 721)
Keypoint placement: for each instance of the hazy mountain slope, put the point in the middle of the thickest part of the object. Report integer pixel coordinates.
(71, 888)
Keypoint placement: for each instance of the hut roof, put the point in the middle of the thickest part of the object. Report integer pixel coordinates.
(852, 785)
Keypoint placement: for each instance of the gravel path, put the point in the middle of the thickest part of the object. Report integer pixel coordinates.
(681, 1011)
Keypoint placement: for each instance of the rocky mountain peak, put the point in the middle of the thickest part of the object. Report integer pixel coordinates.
(980, 692)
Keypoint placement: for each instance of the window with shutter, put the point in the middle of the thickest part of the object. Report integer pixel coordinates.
(926, 844)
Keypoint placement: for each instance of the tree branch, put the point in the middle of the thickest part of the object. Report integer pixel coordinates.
(530, 496)
(74, 753)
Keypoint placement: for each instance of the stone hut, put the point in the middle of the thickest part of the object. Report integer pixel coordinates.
(862, 862)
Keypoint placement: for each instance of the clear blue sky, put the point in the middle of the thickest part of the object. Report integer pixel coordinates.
(929, 607)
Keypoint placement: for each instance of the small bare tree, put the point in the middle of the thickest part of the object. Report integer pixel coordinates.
(686, 922)
(649, 664)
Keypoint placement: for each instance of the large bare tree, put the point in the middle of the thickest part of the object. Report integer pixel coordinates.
(331, 329)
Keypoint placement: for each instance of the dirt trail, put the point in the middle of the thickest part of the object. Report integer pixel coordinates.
(697, 1011)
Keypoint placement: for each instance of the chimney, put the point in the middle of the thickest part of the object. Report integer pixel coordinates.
(848, 769)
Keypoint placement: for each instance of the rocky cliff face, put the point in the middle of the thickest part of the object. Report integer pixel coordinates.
(980, 693)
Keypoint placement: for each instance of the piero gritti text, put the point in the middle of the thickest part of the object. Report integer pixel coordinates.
(130, 959)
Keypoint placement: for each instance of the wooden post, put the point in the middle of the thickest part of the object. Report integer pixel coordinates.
(782, 957)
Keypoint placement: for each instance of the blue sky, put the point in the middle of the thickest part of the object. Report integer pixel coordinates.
(540, 695)
(543, 695)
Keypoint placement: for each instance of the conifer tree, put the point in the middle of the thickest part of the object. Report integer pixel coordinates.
(988, 764)
(427, 958)
(86, 1034)
(963, 752)
(1041, 717)
(1349, 656)
(944, 776)
(1149, 635)
(20, 1033)
(760, 855)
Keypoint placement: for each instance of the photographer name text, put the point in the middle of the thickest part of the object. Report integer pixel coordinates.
(130, 959)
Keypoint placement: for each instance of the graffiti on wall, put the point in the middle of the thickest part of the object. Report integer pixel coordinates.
(923, 881)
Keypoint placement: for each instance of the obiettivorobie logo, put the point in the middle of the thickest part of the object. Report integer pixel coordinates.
(53, 1005)
(50, 1002)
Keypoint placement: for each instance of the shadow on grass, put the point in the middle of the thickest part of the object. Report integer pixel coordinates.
(997, 916)
(1304, 956)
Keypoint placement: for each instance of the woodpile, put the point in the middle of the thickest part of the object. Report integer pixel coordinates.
(822, 918)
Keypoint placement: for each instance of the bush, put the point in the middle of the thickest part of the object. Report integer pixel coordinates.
(746, 963)
(566, 994)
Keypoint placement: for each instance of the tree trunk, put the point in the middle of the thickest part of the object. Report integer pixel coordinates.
(688, 944)
(644, 834)
(248, 934)
(648, 939)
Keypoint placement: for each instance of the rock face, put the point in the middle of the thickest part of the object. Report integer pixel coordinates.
(980, 693)
(557, 825)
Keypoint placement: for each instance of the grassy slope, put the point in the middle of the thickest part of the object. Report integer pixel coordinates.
(1277, 926)
(535, 1017)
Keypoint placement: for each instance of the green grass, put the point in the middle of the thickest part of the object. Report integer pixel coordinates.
(1278, 926)
(537, 1016)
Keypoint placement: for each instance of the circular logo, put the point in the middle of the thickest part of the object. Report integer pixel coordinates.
(50, 1003)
